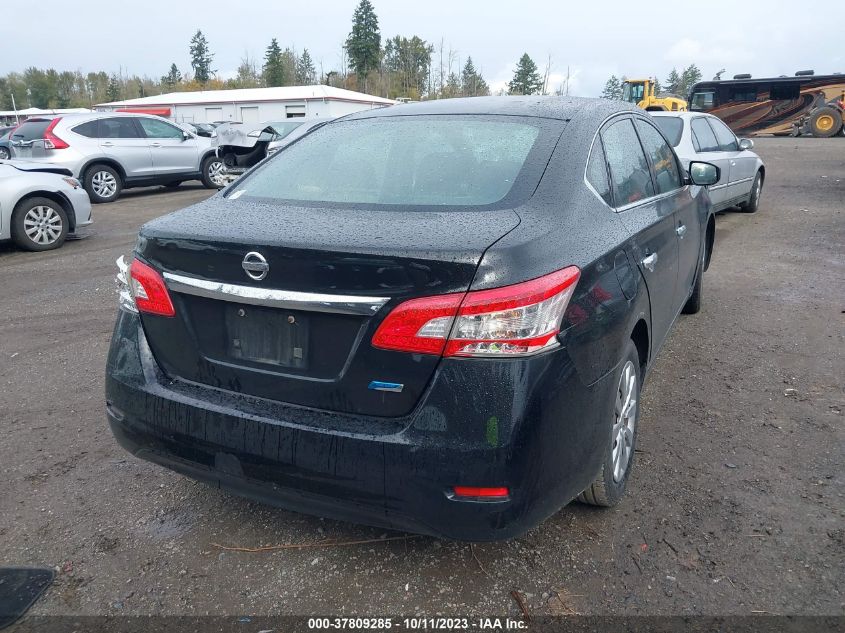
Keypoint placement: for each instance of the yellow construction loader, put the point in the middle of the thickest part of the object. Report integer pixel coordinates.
(641, 92)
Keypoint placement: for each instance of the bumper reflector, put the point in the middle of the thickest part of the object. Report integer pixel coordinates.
(472, 492)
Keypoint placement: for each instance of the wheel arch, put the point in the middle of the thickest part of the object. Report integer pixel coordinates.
(709, 240)
(104, 161)
(56, 197)
(640, 337)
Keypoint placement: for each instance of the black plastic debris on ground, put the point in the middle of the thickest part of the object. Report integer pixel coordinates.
(20, 587)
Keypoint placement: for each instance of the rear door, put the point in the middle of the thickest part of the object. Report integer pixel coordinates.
(650, 217)
(172, 153)
(742, 163)
(120, 139)
(709, 150)
(668, 183)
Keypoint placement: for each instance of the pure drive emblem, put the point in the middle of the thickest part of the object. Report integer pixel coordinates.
(255, 266)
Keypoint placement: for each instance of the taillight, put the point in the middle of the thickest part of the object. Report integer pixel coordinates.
(148, 290)
(513, 320)
(472, 492)
(51, 141)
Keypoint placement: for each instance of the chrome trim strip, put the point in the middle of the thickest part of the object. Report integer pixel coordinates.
(292, 300)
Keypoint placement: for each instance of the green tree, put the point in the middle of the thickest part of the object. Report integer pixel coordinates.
(526, 78)
(674, 83)
(363, 45)
(472, 83)
(274, 69)
(407, 62)
(612, 88)
(306, 74)
(201, 58)
(172, 78)
(247, 77)
(113, 89)
(689, 77)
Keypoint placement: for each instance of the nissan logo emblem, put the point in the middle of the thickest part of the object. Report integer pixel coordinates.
(255, 266)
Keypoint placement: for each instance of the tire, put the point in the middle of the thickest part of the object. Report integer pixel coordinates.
(103, 183)
(825, 122)
(212, 169)
(693, 304)
(39, 224)
(4, 153)
(754, 197)
(608, 487)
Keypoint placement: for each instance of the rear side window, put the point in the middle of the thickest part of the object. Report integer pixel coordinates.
(703, 138)
(154, 128)
(118, 127)
(629, 172)
(672, 128)
(785, 92)
(666, 172)
(30, 130)
(87, 129)
(726, 138)
(597, 173)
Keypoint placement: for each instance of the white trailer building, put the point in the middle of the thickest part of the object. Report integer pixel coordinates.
(251, 105)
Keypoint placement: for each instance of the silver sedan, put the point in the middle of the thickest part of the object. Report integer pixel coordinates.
(40, 205)
(704, 137)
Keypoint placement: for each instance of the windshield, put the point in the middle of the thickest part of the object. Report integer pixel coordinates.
(283, 128)
(672, 128)
(632, 92)
(413, 160)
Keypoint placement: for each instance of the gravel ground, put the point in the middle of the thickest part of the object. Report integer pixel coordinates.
(735, 507)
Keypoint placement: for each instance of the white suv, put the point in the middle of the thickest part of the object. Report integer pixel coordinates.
(110, 151)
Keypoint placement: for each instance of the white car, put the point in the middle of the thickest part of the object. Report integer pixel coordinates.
(704, 137)
(40, 205)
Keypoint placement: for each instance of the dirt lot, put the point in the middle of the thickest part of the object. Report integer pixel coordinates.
(736, 504)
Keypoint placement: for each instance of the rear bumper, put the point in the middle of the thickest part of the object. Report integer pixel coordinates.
(538, 430)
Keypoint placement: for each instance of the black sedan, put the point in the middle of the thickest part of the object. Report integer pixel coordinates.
(434, 317)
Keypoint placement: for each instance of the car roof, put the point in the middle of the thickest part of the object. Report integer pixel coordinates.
(682, 115)
(563, 108)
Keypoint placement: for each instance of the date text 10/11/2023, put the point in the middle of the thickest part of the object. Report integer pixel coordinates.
(417, 624)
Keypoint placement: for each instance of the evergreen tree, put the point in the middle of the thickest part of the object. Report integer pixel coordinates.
(113, 89)
(306, 74)
(526, 78)
(472, 83)
(274, 68)
(612, 89)
(674, 83)
(690, 77)
(172, 78)
(201, 58)
(363, 45)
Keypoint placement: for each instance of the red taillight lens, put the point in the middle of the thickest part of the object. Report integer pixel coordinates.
(510, 321)
(485, 493)
(51, 141)
(149, 291)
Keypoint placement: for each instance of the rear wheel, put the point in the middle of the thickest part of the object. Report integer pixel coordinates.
(212, 172)
(4, 153)
(826, 121)
(754, 197)
(39, 224)
(609, 486)
(102, 183)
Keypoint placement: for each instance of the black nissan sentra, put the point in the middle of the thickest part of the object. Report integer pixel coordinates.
(435, 317)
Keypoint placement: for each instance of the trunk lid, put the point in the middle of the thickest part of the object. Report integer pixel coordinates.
(341, 271)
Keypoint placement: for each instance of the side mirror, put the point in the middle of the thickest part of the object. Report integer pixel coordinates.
(186, 136)
(745, 143)
(703, 174)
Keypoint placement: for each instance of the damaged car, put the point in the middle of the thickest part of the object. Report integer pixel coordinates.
(243, 145)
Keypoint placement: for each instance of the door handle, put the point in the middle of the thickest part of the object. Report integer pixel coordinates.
(107, 144)
(155, 144)
(681, 230)
(649, 261)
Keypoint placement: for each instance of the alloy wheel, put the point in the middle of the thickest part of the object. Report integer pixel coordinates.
(42, 225)
(104, 184)
(215, 173)
(4, 153)
(625, 423)
(758, 187)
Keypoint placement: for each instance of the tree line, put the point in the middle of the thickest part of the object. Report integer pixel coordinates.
(401, 66)
(677, 83)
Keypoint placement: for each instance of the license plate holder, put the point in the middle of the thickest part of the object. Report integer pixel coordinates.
(267, 336)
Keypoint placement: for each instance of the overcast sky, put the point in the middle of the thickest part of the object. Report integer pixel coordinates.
(594, 39)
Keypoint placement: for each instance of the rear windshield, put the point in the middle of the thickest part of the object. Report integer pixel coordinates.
(403, 160)
(30, 130)
(672, 128)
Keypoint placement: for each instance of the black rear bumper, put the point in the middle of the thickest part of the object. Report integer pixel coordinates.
(539, 432)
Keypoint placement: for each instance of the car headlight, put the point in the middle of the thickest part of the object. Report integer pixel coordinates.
(255, 133)
(73, 182)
